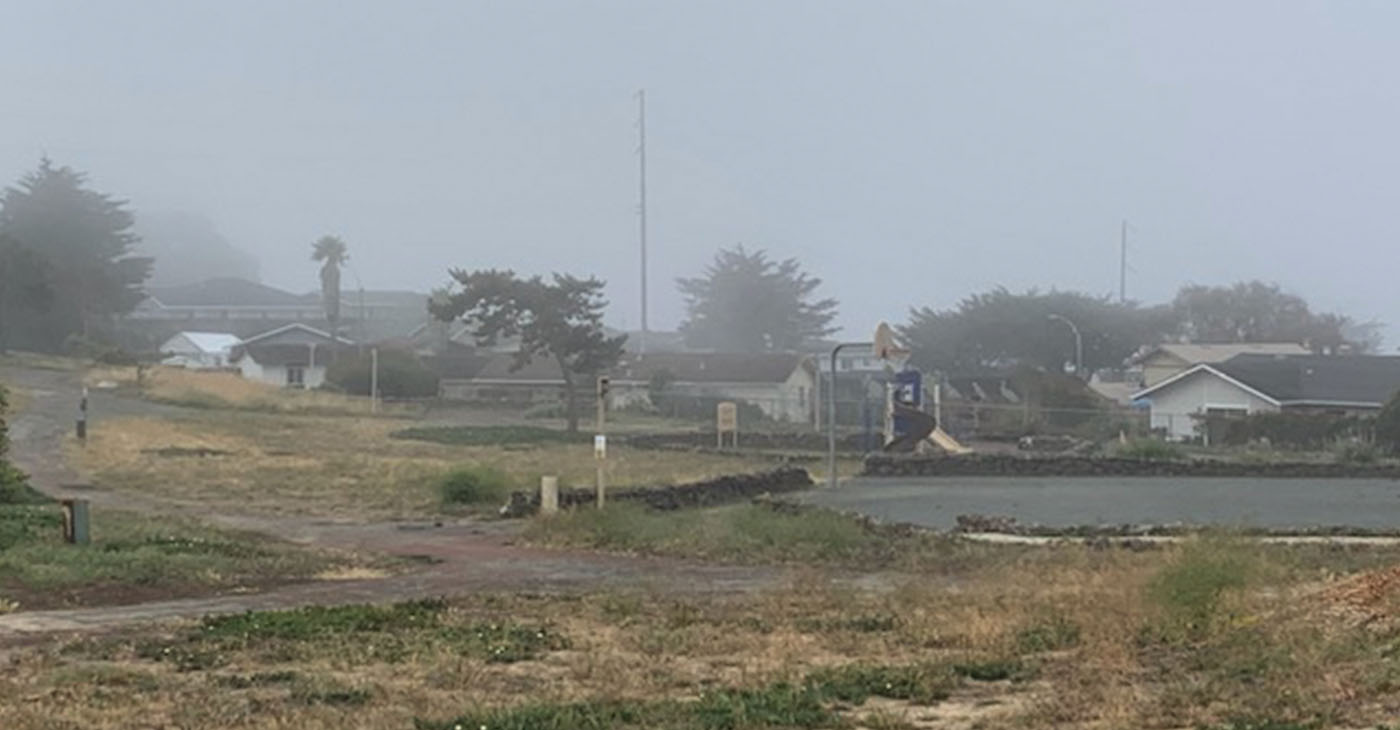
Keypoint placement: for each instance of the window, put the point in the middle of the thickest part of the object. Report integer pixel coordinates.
(296, 376)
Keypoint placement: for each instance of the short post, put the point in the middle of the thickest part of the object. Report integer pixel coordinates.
(82, 416)
(75, 522)
(374, 380)
(549, 495)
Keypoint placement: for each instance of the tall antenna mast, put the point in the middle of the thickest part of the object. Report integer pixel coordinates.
(1123, 265)
(642, 207)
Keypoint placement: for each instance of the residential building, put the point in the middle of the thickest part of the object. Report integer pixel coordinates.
(1253, 383)
(782, 385)
(245, 308)
(293, 356)
(198, 350)
(1166, 360)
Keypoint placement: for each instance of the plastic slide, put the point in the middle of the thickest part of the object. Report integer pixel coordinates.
(942, 440)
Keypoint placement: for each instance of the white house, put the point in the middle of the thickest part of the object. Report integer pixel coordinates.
(293, 356)
(199, 350)
(1247, 384)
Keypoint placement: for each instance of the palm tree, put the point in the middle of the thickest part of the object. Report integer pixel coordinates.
(332, 252)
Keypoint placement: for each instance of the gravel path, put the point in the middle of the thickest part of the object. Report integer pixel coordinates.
(460, 557)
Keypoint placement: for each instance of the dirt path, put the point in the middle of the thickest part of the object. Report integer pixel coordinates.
(460, 557)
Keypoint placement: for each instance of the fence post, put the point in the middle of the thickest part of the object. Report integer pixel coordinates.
(75, 521)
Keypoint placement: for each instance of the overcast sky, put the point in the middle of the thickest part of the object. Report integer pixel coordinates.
(908, 153)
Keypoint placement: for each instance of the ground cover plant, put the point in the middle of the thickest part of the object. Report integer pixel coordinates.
(135, 558)
(1213, 633)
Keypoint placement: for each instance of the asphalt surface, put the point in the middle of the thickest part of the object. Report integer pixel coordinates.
(1070, 501)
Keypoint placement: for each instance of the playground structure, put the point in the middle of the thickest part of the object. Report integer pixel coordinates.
(907, 425)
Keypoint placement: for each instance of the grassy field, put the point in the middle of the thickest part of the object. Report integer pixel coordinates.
(300, 464)
(230, 391)
(134, 558)
(1210, 634)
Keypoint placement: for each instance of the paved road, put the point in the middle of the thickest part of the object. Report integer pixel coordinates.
(1062, 501)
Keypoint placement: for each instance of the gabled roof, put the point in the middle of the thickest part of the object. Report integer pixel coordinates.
(210, 342)
(296, 328)
(1192, 352)
(223, 292)
(1322, 380)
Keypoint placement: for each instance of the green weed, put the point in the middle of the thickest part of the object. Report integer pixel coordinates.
(474, 485)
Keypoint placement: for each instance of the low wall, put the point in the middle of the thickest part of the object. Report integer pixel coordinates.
(886, 465)
(748, 442)
(697, 494)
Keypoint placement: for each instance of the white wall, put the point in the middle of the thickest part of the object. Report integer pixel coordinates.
(1173, 406)
(313, 377)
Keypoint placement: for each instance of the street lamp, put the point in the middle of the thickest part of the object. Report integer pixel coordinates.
(1078, 344)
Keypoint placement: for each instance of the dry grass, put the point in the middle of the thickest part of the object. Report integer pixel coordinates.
(296, 464)
(1272, 651)
(226, 390)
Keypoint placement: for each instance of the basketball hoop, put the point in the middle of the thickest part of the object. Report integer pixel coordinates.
(887, 348)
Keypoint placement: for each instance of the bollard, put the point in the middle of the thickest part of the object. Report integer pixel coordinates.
(549, 495)
(82, 416)
(75, 521)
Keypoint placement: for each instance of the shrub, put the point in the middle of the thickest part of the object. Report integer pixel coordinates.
(474, 485)
(1356, 452)
(401, 375)
(1285, 429)
(13, 489)
(1191, 587)
(1388, 425)
(1053, 633)
(1150, 450)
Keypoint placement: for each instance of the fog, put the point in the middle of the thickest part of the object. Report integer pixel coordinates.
(908, 153)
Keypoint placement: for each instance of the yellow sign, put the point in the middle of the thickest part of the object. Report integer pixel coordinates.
(727, 416)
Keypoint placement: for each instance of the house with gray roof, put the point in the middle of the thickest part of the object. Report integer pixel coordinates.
(1254, 383)
(291, 356)
(782, 385)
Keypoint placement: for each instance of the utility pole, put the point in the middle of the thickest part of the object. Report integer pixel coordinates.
(1123, 265)
(642, 205)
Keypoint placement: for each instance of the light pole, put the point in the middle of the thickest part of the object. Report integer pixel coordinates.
(1078, 344)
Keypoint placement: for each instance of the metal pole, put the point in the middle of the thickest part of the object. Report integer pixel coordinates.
(1078, 344)
(831, 412)
(601, 458)
(1123, 265)
(642, 209)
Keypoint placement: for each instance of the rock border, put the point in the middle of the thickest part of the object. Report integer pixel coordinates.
(892, 465)
(721, 490)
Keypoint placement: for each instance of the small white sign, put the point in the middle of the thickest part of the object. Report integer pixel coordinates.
(600, 446)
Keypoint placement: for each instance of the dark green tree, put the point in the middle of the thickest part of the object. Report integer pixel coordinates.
(85, 239)
(332, 252)
(560, 318)
(1254, 311)
(25, 290)
(746, 302)
(1000, 329)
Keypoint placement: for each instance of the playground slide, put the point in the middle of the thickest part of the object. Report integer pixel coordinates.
(942, 440)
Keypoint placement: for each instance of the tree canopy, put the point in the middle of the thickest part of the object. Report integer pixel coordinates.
(85, 240)
(560, 318)
(332, 252)
(746, 302)
(1002, 329)
(1254, 311)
